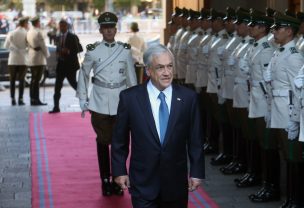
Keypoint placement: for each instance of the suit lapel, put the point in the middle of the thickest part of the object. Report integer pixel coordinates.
(147, 110)
(174, 112)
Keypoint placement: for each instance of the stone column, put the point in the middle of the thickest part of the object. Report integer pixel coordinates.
(29, 7)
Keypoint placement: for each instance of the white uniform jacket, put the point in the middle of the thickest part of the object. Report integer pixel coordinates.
(227, 79)
(181, 56)
(258, 62)
(215, 67)
(240, 88)
(16, 44)
(109, 77)
(192, 56)
(284, 66)
(203, 55)
(36, 41)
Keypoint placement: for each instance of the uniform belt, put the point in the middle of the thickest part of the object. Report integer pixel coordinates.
(280, 93)
(108, 85)
(240, 81)
(228, 73)
(256, 83)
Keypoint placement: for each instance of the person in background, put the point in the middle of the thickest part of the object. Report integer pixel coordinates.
(113, 68)
(138, 47)
(17, 46)
(163, 120)
(37, 55)
(68, 47)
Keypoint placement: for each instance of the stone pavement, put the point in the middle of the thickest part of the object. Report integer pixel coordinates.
(15, 175)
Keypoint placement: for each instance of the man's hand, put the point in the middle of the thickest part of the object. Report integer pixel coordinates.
(293, 130)
(299, 81)
(244, 65)
(267, 75)
(83, 105)
(123, 181)
(194, 183)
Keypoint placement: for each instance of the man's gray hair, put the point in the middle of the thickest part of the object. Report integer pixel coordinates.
(155, 50)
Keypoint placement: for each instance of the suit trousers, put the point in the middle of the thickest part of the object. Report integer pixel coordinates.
(61, 74)
(37, 72)
(17, 72)
(158, 203)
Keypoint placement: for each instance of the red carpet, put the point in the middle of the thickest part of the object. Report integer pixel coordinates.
(64, 166)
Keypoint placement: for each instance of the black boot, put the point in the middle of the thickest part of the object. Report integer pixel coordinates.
(289, 186)
(268, 193)
(13, 101)
(104, 168)
(20, 101)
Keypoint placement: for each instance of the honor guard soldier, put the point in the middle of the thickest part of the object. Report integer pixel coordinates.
(241, 88)
(37, 55)
(113, 71)
(192, 48)
(296, 191)
(256, 64)
(215, 70)
(226, 94)
(173, 26)
(202, 79)
(300, 41)
(283, 67)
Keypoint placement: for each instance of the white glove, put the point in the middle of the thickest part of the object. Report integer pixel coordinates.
(267, 75)
(299, 81)
(293, 130)
(205, 49)
(83, 105)
(221, 100)
(243, 64)
(220, 51)
(230, 61)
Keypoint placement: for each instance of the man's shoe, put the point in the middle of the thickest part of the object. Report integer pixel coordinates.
(221, 159)
(55, 110)
(106, 187)
(13, 102)
(209, 149)
(20, 102)
(37, 102)
(268, 194)
(251, 180)
(116, 189)
(237, 180)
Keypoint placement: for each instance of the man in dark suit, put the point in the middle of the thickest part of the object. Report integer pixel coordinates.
(68, 47)
(165, 126)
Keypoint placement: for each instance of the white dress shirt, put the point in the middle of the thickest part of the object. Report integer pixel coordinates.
(155, 101)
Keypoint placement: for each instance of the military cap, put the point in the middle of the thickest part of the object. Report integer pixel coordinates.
(230, 14)
(107, 19)
(215, 15)
(269, 12)
(193, 15)
(205, 13)
(289, 13)
(35, 19)
(281, 20)
(23, 20)
(300, 16)
(259, 18)
(185, 13)
(178, 11)
(242, 16)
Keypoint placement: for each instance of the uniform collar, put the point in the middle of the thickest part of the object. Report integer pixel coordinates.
(288, 45)
(110, 45)
(262, 40)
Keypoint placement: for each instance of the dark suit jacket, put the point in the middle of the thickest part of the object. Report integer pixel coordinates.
(156, 169)
(69, 62)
